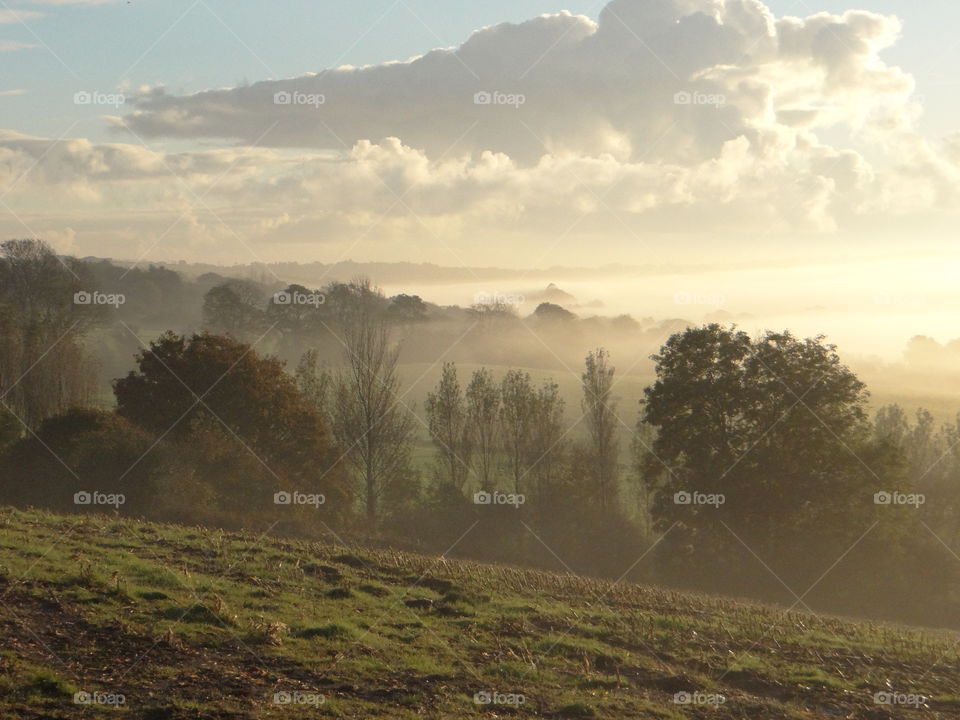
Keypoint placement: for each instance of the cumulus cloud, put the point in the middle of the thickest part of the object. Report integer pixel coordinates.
(387, 194)
(663, 116)
(706, 71)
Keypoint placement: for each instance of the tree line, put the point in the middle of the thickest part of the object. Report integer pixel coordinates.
(754, 465)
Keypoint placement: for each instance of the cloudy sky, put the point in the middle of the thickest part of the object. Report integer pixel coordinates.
(516, 134)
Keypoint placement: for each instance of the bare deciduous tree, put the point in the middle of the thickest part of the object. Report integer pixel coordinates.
(483, 412)
(314, 381)
(546, 435)
(516, 411)
(44, 367)
(449, 430)
(599, 408)
(371, 424)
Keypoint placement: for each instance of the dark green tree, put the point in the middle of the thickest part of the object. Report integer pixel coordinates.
(407, 309)
(235, 307)
(212, 381)
(777, 426)
(83, 450)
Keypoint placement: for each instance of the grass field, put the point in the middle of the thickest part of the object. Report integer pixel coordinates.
(195, 623)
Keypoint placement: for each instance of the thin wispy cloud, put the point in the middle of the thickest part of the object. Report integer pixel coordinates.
(77, 2)
(9, 16)
(13, 46)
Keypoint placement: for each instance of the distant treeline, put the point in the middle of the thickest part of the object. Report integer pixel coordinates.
(753, 466)
(489, 331)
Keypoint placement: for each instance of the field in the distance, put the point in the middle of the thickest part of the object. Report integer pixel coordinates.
(196, 623)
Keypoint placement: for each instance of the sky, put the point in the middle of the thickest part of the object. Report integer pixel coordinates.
(191, 46)
(530, 134)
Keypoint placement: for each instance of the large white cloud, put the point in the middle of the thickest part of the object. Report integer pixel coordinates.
(609, 86)
(710, 117)
(468, 208)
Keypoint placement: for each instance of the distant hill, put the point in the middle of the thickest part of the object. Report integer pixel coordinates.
(381, 272)
(553, 294)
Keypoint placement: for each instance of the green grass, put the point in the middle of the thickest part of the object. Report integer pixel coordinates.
(195, 623)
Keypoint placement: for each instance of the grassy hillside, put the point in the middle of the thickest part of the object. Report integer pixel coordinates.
(196, 623)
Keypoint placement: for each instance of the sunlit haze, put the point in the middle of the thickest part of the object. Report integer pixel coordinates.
(415, 359)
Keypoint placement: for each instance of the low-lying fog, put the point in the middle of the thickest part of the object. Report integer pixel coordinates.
(870, 309)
